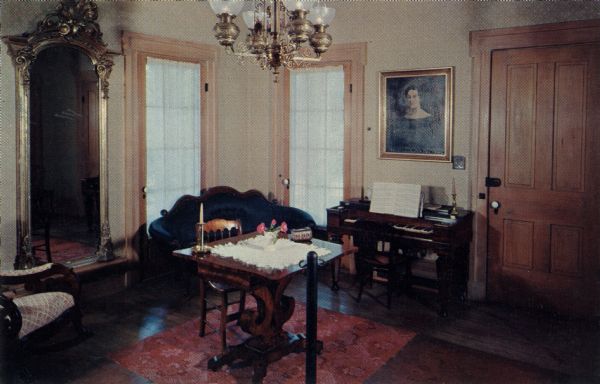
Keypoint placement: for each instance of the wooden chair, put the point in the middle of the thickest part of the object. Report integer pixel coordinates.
(42, 213)
(34, 303)
(378, 253)
(217, 229)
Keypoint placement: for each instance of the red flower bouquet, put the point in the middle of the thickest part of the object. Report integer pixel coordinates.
(273, 230)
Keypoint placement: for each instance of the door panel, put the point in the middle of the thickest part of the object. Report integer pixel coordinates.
(518, 244)
(520, 125)
(565, 256)
(570, 128)
(543, 240)
(91, 144)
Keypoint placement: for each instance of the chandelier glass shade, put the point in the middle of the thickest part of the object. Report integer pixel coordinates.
(281, 33)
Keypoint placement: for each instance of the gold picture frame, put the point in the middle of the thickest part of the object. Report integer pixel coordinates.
(415, 114)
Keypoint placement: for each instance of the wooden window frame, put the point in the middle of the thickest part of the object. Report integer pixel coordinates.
(353, 57)
(137, 47)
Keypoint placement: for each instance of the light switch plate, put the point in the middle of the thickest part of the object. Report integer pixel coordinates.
(458, 162)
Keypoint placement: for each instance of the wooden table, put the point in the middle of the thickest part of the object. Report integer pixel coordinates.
(269, 342)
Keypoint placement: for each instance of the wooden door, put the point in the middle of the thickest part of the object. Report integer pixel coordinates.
(544, 139)
(89, 133)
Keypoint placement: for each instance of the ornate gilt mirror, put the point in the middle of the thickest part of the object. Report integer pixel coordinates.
(62, 71)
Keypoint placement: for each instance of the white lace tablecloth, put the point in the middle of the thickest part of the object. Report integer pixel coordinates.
(262, 253)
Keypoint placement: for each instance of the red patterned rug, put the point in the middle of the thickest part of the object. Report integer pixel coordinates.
(354, 348)
(65, 250)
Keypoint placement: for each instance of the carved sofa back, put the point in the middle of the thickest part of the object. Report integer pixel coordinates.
(175, 229)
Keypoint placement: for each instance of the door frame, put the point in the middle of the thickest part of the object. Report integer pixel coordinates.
(137, 47)
(482, 45)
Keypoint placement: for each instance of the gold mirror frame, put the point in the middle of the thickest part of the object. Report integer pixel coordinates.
(72, 24)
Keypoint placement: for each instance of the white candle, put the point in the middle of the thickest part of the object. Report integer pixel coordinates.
(201, 213)
(453, 186)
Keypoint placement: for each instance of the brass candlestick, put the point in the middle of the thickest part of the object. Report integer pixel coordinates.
(454, 210)
(200, 249)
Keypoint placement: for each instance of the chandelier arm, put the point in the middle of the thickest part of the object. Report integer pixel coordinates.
(307, 59)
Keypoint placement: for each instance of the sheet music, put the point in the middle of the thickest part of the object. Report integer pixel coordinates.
(397, 199)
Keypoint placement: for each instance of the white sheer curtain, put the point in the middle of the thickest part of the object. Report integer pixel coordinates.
(172, 133)
(317, 140)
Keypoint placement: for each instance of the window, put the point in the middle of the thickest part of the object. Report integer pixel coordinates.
(318, 132)
(316, 140)
(169, 119)
(172, 133)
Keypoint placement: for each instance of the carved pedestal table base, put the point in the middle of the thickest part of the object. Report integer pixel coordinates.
(269, 342)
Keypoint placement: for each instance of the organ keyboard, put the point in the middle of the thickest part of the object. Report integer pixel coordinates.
(447, 236)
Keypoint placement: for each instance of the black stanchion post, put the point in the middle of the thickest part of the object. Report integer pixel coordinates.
(311, 318)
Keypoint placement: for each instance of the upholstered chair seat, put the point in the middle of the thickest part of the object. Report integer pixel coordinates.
(33, 302)
(41, 309)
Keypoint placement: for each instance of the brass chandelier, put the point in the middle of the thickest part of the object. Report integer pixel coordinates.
(277, 31)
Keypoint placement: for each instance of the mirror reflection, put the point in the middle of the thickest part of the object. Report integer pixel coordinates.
(64, 155)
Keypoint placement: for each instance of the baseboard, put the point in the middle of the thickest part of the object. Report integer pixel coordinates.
(476, 290)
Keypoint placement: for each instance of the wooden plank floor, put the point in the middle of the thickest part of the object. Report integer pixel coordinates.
(476, 343)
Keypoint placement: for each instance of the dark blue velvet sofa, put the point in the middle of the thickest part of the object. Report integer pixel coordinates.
(175, 229)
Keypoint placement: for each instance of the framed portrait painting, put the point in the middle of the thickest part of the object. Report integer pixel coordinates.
(415, 114)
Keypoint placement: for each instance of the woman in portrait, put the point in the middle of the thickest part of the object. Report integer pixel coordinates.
(411, 129)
